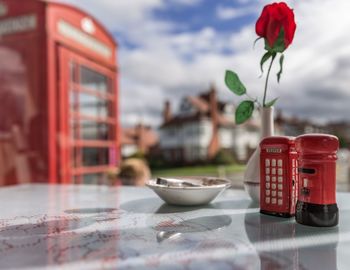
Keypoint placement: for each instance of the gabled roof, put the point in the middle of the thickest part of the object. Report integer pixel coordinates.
(130, 136)
(179, 120)
(199, 103)
(201, 106)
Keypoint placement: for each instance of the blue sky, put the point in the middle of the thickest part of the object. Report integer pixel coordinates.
(192, 18)
(172, 48)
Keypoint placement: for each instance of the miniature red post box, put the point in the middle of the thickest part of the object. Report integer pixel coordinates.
(278, 176)
(316, 204)
(58, 92)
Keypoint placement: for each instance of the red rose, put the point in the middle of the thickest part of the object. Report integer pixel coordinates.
(273, 19)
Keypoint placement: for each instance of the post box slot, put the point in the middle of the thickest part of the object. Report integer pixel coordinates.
(307, 170)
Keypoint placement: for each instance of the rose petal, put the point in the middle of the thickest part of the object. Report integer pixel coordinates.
(273, 17)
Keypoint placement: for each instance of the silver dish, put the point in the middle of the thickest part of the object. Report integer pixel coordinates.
(188, 191)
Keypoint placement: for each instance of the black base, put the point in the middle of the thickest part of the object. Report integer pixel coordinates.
(317, 215)
(276, 214)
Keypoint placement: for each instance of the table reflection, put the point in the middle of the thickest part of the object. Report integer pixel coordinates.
(84, 227)
(284, 244)
(169, 229)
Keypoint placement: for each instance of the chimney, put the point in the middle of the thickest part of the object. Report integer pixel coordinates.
(139, 130)
(167, 112)
(213, 103)
(214, 145)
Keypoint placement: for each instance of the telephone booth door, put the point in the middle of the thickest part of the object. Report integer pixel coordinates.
(22, 157)
(87, 119)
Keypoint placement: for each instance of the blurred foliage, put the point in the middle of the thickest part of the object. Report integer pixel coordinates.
(342, 142)
(224, 157)
(202, 170)
(138, 155)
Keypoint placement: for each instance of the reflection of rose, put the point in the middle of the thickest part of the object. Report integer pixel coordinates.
(275, 18)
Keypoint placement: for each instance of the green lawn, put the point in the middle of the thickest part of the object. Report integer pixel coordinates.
(207, 170)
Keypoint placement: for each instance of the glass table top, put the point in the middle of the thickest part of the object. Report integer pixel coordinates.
(94, 227)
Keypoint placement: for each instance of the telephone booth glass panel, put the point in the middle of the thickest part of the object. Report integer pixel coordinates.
(92, 119)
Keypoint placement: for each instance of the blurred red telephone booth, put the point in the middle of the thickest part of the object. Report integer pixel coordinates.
(59, 118)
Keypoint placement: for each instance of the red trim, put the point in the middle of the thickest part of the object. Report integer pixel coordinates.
(89, 170)
(85, 14)
(85, 143)
(64, 140)
(77, 88)
(108, 120)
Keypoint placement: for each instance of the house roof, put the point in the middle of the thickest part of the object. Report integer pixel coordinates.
(199, 103)
(178, 120)
(127, 137)
(131, 136)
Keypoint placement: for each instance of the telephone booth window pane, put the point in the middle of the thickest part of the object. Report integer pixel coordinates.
(94, 178)
(91, 130)
(76, 179)
(92, 105)
(93, 80)
(73, 101)
(73, 72)
(75, 157)
(74, 129)
(95, 156)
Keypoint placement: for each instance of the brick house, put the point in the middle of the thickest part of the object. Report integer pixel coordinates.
(138, 139)
(293, 126)
(202, 126)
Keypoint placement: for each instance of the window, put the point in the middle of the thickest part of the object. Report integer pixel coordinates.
(91, 130)
(95, 131)
(93, 80)
(94, 178)
(92, 124)
(73, 101)
(95, 156)
(94, 106)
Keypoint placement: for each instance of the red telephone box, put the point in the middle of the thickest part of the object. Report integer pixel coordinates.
(278, 176)
(58, 94)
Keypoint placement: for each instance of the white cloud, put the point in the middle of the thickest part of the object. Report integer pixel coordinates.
(167, 65)
(228, 13)
(313, 64)
(118, 14)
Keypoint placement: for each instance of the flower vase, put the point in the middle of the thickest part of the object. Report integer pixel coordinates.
(252, 172)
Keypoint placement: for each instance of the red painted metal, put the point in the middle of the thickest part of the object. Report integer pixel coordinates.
(317, 164)
(39, 41)
(278, 176)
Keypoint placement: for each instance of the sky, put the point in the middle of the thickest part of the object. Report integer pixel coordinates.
(169, 49)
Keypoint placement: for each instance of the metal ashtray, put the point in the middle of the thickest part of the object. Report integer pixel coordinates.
(188, 190)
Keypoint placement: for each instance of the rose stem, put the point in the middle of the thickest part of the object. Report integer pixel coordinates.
(267, 79)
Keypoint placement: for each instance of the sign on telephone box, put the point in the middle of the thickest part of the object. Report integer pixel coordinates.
(59, 119)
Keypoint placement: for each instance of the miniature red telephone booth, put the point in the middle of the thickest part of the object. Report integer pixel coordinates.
(58, 92)
(278, 176)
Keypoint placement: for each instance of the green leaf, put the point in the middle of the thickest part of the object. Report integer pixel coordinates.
(234, 84)
(271, 103)
(281, 68)
(265, 57)
(244, 111)
(278, 46)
